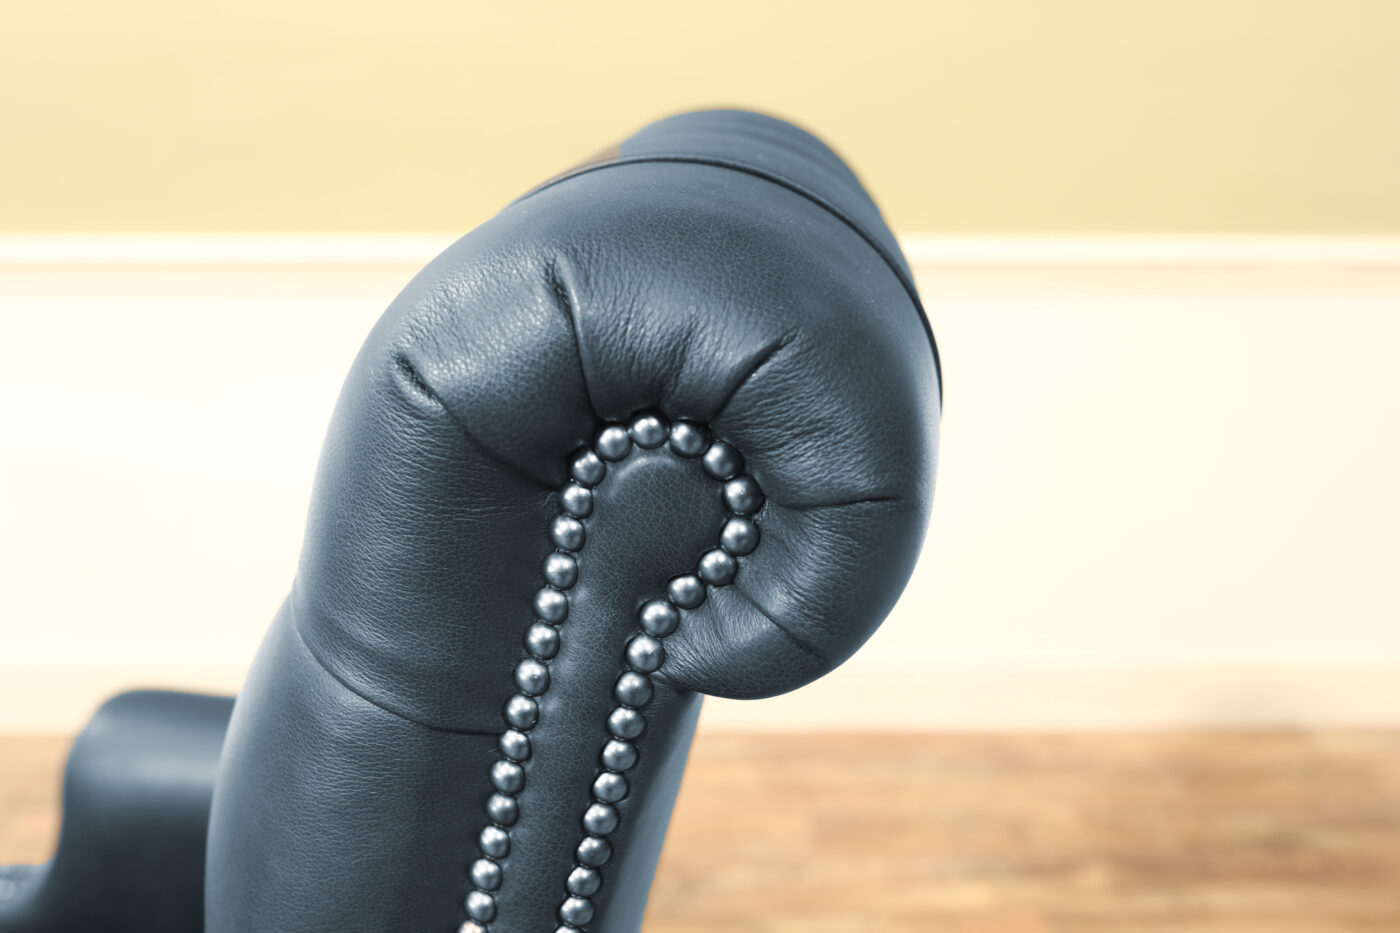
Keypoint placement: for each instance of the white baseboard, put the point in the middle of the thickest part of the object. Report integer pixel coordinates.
(59, 698)
(1157, 453)
(1064, 699)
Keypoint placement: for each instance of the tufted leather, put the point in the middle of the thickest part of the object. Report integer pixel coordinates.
(721, 268)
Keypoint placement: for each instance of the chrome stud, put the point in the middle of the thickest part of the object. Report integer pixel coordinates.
(613, 443)
(659, 617)
(587, 469)
(739, 536)
(531, 677)
(577, 500)
(560, 570)
(687, 440)
(576, 910)
(494, 841)
(515, 745)
(584, 882)
(542, 640)
(522, 712)
(687, 591)
(625, 723)
(633, 689)
(742, 496)
(481, 907)
(609, 787)
(485, 874)
(648, 431)
(567, 533)
(619, 755)
(600, 819)
(551, 605)
(723, 461)
(593, 852)
(503, 810)
(507, 777)
(645, 653)
(717, 568)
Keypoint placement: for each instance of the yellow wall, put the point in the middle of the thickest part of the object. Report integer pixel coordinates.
(1275, 116)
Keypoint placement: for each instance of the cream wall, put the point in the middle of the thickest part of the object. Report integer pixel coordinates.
(1275, 116)
(1166, 495)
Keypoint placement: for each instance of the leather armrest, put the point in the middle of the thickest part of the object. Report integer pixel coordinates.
(665, 427)
(136, 795)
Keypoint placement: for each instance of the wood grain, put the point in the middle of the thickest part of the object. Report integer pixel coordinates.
(1192, 833)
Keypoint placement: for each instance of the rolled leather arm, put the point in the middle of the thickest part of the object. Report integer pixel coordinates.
(664, 427)
(130, 853)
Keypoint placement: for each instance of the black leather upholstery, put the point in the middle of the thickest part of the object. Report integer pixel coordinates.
(724, 269)
(136, 795)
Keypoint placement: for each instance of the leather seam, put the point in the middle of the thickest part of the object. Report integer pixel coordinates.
(320, 662)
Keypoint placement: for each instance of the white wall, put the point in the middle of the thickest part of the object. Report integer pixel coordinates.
(1167, 494)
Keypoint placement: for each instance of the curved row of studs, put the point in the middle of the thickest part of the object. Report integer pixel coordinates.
(659, 618)
(644, 653)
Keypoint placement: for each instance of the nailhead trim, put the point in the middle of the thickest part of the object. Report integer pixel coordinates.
(643, 656)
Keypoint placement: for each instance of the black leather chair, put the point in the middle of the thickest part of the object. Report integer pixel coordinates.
(665, 426)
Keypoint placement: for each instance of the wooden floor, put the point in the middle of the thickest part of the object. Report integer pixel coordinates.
(1213, 833)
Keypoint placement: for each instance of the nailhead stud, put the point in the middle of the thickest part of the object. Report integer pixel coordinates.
(494, 841)
(687, 591)
(567, 532)
(486, 874)
(576, 910)
(742, 495)
(481, 907)
(687, 440)
(619, 755)
(659, 617)
(588, 469)
(593, 852)
(633, 689)
(648, 431)
(722, 461)
(577, 500)
(625, 723)
(522, 712)
(584, 882)
(542, 640)
(717, 568)
(739, 537)
(560, 570)
(515, 745)
(600, 819)
(551, 605)
(532, 677)
(507, 777)
(609, 787)
(503, 810)
(613, 443)
(645, 653)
